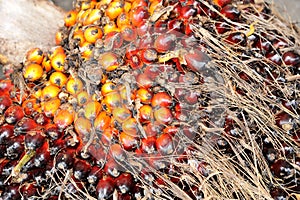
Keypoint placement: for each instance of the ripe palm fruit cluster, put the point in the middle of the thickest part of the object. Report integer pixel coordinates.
(129, 105)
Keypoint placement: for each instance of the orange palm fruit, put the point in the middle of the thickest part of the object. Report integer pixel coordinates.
(58, 78)
(50, 91)
(70, 18)
(63, 118)
(91, 110)
(33, 72)
(34, 55)
(102, 122)
(51, 106)
(121, 114)
(74, 86)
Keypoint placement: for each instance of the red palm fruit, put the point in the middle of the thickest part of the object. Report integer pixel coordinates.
(164, 144)
(146, 113)
(114, 40)
(105, 188)
(128, 141)
(51, 106)
(148, 145)
(176, 26)
(171, 130)
(161, 99)
(130, 126)
(11, 192)
(112, 168)
(81, 169)
(98, 153)
(189, 131)
(57, 145)
(91, 110)
(42, 119)
(144, 95)
(28, 190)
(196, 60)
(109, 61)
(284, 121)
(187, 12)
(191, 97)
(24, 125)
(15, 147)
(129, 33)
(52, 132)
(124, 182)
(83, 128)
(143, 81)
(274, 57)
(6, 86)
(63, 118)
(109, 135)
(282, 169)
(290, 58)
(138, 16)
(153, 71)
(153, 129)
(157, 161)
(6, 133)
(165, 42)
(145, 41)
(95, 174)
(161, 26)
(279, 43)
(221, 3)
(125, 196)
(138, 3)
(121, 114)
(116, 152)
(230, 12)
(42, 155)
(102, 121)
(135, 62)
(222, 27)
(237, 38)
(5, 102)
(34, 139)
(149, 55)
(13, 114)
(65, 159)
(2, 155)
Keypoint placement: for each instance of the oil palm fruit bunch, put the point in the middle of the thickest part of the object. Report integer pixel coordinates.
(155, 99)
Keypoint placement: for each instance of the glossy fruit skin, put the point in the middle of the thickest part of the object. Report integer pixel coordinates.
(34, 139)
(13, 114)
(15, 147)
(116, 152)
(129, 33)
(105, 188)
(148, 145)
(58, 62)
(51, 106)
(102, 121)
(74, 86)
(165, 42)
(109, 61)
(196, 60)
(81, 169)
(129, 141)
(33, 72)
(5, 102)
(58, 78)
(124, 182)
(83, 128)
(114, 9)
(52, 132)
(162, 99)
(138, 16)
(291, 58)
(34, 55)
(92, 34)
(63, 119)
(42, 155)
(70, 18)
(65, 159)
(24, 125)
(230, 12)
(164, 144)
(6, 133)
(237, 38)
